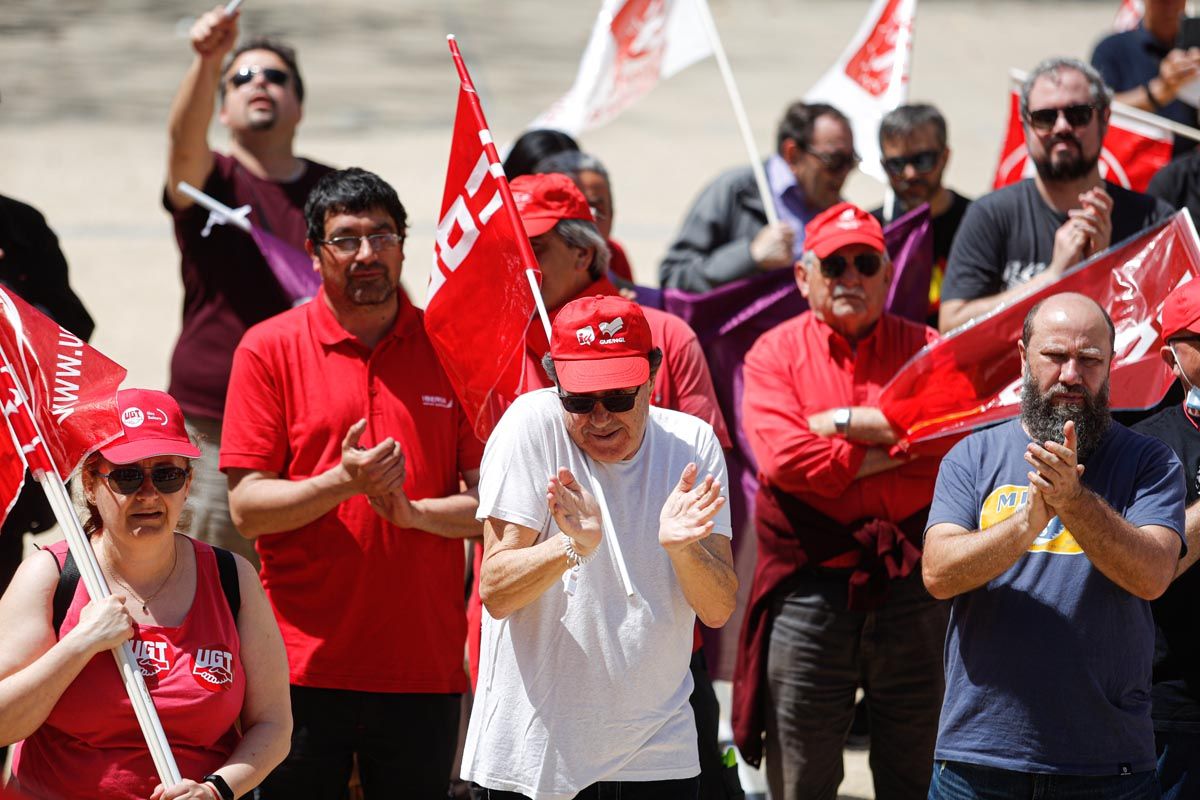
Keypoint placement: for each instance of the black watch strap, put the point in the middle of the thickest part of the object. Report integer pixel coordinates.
(221, 786)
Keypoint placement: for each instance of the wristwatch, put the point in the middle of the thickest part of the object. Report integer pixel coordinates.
(841, 420)
(220, 785)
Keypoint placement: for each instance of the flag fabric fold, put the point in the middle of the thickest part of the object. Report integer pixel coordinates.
(479, 300)
(634, 44)
(870, 78)
(59, 397)
(1133, 150)
(292, 267)
(971, 377)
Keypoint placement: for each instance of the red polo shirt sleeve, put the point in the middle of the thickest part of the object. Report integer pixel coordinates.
(253, 435)
(775, 415)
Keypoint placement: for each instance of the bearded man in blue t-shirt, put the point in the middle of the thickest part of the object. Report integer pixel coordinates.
(1051, 533)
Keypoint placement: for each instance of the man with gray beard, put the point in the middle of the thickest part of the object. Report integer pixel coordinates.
(1028, 234)
(1052, 533)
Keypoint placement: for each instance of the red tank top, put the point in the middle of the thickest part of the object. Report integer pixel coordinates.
(90, 747)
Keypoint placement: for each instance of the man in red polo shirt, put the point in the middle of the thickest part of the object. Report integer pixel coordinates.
(345, 447)
(837, 601)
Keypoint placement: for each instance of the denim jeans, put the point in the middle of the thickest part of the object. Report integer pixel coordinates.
(954, 780)
(1178, 764)
(685, 789)
(820, 654)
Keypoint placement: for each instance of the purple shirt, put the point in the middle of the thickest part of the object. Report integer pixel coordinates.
(789, 200)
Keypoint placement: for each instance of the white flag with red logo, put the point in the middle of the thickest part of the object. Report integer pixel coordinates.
(480, 301)
(634, 45)
(1133, 150)
(1128, 15)
(871, 76)
(59, 397)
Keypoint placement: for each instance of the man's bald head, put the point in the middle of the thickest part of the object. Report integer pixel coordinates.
(1071, 305)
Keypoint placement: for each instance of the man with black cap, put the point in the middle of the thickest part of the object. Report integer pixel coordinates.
(1175, 694)
(584, 676)
(837, 601)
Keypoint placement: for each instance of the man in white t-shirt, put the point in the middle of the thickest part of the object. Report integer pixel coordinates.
(584, 680)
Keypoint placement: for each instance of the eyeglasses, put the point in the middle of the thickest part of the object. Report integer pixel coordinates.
(613, 403)
(835, 162)
(349, 245)
(867, 264)
(273, 75)
(923, 161)
(1046, 118)
(128, 480)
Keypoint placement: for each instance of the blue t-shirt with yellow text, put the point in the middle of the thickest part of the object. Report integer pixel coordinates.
(1048, 665)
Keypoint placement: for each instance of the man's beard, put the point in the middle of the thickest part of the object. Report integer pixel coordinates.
(1043, 418)
(1069, 166)
(369, 291)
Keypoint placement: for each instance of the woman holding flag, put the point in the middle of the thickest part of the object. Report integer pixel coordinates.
(202, 634)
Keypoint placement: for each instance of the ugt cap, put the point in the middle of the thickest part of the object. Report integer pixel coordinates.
(543, 200)
(152, 425)
(601, 343)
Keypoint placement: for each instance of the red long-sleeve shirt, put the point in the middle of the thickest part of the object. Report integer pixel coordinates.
(804, 367)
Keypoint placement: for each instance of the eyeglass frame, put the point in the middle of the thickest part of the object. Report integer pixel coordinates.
(889, 164)
(625, 402)
(1062, 111)
(832, 273)
(845, 162)
(377, 242)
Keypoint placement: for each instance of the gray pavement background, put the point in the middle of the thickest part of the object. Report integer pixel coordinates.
(85, 86)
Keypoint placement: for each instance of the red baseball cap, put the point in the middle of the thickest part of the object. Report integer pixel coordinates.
(839, 226)
(1181, 310)
(601, 343)
(151, 425)
(545, 199)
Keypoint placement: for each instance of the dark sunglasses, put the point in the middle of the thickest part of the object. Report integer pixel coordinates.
(613, 403)
(246, 74)
(1077, 116)
(867, 264)
(835, 162)
(128, 480)
(923, 161)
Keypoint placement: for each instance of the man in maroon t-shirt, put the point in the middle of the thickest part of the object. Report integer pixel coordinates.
(227, 285)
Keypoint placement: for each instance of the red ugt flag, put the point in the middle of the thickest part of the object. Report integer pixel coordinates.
(480, 300)
(972, 376)
(59, 397)
(1133, 150)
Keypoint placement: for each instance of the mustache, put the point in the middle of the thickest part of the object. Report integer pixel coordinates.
(1067, 138)
(849, 291)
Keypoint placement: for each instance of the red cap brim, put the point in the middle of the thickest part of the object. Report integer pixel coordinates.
(122, 452)
(602, 374)
(538, 225)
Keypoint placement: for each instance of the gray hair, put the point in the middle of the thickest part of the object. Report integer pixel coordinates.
(1101, 94)
(902, 121)
(584, 233)
(571, 163)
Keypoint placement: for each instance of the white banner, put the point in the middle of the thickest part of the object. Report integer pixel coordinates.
(871, 76)
(635, 44)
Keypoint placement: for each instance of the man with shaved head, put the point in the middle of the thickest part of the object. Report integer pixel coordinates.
(1052, 533)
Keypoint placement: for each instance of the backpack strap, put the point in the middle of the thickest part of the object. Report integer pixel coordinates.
(68, 580)
(227, 569)
(64, 593)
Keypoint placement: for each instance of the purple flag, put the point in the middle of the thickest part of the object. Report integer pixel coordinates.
(728, 321)
(291, 267)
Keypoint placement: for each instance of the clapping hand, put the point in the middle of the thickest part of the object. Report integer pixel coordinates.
(688, 514)
(575, 511)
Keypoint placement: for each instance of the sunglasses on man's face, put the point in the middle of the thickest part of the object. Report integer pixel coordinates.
(867, 264)
(613, 403)
(923, 161)
(128, 480)
(244, 75)
(1077, 116)
(835, 162)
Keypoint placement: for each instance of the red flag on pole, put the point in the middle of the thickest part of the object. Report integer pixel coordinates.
(480, 301)
(1133, 150)
(59, 397)
(971, 376)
